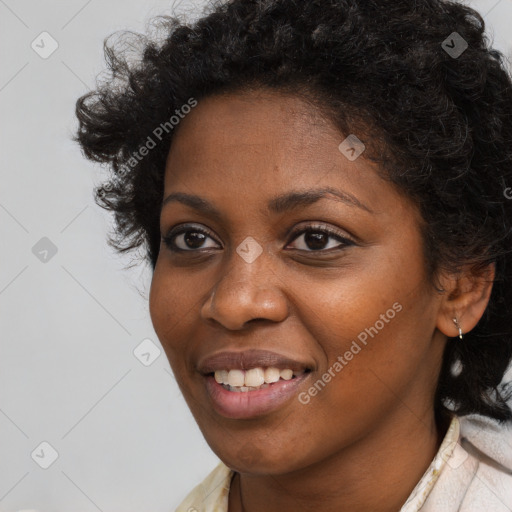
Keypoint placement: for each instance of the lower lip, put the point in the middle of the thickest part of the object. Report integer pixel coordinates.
(249, 404)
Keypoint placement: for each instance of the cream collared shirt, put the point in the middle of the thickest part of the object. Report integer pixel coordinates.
(464, 476)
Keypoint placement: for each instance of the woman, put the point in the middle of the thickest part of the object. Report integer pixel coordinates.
(321, 190)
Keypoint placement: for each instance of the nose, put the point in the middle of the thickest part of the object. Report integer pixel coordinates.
(246, 292)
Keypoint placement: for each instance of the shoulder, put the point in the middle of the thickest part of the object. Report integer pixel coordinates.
(490, 490)
(491, 444)
(212, 494)
(478, 473)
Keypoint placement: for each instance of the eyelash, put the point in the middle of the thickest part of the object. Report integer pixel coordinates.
(169, 240)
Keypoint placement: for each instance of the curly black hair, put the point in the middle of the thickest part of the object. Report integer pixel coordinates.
(436, 115)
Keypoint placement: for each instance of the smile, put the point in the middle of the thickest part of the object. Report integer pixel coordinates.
(251, 383)
(244, 402)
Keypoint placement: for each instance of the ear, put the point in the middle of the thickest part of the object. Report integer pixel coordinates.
(466, 295)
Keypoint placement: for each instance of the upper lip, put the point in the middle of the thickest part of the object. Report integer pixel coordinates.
(248, 359)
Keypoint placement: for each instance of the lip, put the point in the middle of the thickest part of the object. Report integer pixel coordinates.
(251, 404)
(248, 359)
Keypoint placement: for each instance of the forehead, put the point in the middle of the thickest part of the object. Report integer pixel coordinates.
(252, 120)
(257, 145)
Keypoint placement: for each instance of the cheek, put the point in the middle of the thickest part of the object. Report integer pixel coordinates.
(374, 355)
(168, 311)
(366, 326)
(337, 311)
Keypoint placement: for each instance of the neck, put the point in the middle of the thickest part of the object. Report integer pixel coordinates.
(377, 472)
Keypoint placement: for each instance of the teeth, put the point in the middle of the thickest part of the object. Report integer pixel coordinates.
(272, 375)
(236, 378)
(221, 376)
(254, 378)
(243, 389)
(286, 374)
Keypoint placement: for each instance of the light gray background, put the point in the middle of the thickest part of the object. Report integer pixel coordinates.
(125, 438)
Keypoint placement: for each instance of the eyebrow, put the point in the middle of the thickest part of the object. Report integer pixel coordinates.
(279, 204)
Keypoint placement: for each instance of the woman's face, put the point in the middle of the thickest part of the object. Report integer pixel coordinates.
(352, 307)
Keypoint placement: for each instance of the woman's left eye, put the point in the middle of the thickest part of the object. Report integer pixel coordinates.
(315, 239)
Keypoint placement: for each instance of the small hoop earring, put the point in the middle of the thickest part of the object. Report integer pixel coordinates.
(458, 327)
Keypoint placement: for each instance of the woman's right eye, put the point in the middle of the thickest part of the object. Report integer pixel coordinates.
(187, 239)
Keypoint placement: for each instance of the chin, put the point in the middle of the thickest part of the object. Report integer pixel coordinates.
(262, 459)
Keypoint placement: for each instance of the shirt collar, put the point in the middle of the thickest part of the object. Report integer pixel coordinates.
(446, 451)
